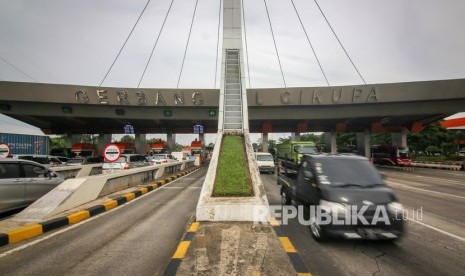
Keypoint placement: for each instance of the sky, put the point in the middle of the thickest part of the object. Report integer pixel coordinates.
(75, 42)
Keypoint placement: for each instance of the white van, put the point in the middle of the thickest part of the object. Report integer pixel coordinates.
(265, 162)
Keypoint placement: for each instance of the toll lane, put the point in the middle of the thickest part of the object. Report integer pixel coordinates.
(422, 251)
(137, 238)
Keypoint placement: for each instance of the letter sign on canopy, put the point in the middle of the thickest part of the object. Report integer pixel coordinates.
(111, 153)
(4, 150)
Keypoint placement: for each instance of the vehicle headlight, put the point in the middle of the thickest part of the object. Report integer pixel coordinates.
(395, 207)
(333, 207)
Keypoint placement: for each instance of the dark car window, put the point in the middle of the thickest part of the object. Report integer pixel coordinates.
(33, 171)
(337, 171)
(92, 160)
(75, 161)
(9, 170)
(41, 160)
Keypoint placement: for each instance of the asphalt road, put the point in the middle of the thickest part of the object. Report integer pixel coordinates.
(433, 245)
(137, 238)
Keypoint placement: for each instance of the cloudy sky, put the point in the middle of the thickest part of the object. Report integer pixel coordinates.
(75, 42)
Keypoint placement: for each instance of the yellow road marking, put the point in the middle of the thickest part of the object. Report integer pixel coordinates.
(194, 227)
(181, 250)
(23, 233)
(110, 204)
(78, 216)
(274, 222)
(304, 274)
(287, 245)
(144, 190)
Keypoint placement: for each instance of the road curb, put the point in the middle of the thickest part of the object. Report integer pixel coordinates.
(36, 229)
(181, 250)
(291, 252)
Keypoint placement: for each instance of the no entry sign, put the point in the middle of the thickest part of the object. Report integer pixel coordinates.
(111, 153)
(4, 150)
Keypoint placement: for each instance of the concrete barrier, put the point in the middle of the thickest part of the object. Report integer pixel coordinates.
(233, 208)
(76, 191)
(78, 171)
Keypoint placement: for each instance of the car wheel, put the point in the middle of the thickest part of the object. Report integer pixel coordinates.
(285, 199)
(317, 233)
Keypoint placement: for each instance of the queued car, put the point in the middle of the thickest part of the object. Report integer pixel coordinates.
(76, 161)
(125, 162)
(46, 160)
(164, 158)
(22, 182)
(349, 190)
(265, 162)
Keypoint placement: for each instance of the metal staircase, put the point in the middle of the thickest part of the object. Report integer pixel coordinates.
(232, 92)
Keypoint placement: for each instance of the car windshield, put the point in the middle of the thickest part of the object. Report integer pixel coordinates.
(264, 157)
(122, 159)
(305, 149)
(403, 152)
(345, 172)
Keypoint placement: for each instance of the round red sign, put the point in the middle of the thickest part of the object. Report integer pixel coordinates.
(4, 150)
(111, 153)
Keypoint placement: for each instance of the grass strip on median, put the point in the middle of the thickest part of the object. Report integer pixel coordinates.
(232, 174)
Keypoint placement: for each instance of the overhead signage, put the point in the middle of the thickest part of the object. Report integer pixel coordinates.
(111, 153)
(198, 129)
(4, 150)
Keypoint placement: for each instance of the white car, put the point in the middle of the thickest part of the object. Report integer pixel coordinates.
(265, 162)
(158, 159)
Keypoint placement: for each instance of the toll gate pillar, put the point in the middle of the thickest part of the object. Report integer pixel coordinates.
(171, 139)
(363, 143)
(331, 142)
(72, 139)
(140, 143)
(400, 138)
(265, 142)
(103, 140)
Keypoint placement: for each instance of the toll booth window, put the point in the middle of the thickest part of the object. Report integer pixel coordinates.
(9, 170)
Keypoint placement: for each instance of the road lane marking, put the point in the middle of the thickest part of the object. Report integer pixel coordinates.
(424, 190)
(287, 245)
(78, 223)
(438, 230)
(181, 250)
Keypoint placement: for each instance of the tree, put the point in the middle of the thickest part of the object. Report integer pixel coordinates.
(127, 139)
(58, 142)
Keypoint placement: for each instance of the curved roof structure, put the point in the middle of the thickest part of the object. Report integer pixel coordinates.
(13, 126)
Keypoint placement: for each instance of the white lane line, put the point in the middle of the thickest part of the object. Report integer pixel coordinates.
(68, 228)
(439, 230)
(439, 181)
(424, 190)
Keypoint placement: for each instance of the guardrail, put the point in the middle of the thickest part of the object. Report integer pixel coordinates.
(76, 191)
(444, 166)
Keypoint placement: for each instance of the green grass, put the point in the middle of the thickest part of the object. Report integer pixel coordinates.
(439, 158)
(231, 175)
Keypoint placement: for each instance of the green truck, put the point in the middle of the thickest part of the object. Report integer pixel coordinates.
(294, 150)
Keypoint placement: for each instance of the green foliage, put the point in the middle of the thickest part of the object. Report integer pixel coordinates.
(380, 139)
(434, 138)
(58, 142)
(347, 142)
(231, 175)
(127, 139)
